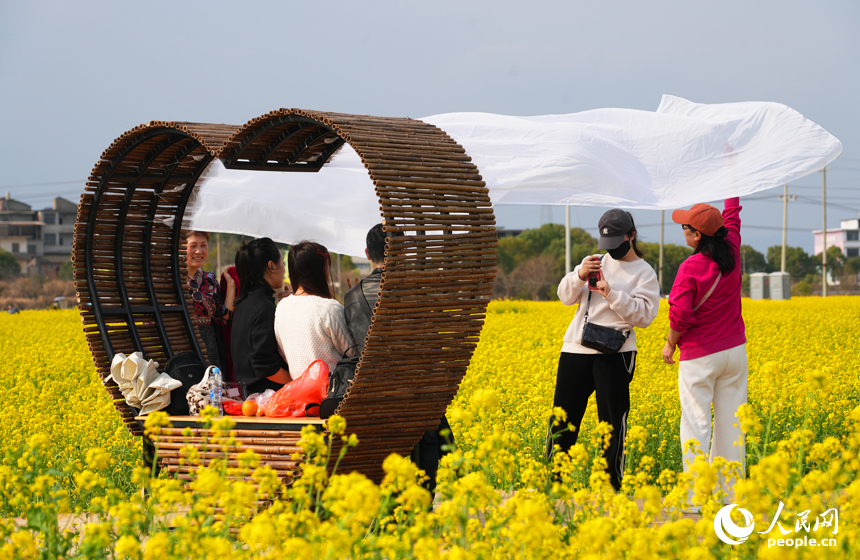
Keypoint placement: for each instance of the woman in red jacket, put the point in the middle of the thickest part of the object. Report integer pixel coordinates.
(706, 324)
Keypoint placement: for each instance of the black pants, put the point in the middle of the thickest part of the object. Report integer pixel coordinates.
(428, 451)
(609, 375)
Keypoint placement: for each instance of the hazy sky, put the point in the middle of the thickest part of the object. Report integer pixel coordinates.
(75, 75)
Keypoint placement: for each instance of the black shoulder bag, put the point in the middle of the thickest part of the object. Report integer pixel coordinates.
(600, 338)
(341, 377)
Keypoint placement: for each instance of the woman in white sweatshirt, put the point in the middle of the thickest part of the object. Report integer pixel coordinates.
(627, 295)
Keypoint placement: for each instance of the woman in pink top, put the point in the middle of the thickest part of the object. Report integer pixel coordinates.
(706, 324)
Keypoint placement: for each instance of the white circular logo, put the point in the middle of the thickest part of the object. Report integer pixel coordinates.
(723, 524)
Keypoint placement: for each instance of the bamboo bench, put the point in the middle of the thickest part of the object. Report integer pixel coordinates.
(275, 440)
(130, 274)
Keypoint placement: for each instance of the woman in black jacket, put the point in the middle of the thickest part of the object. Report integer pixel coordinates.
(256, 361)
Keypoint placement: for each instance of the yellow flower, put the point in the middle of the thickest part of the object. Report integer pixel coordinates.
(337, 425)
(207, 482)
(38, 441)
(260, 532)
(98, 459)
(23, 544)
(88, 480)
(155, 421)
(486, 400)
(156, 547)
(127, 547)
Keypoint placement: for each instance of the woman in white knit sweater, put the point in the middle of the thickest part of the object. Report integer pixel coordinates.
(626, 296)
(310, 324)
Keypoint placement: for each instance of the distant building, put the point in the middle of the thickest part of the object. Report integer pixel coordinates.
(847, 238)
(502, 232)
(852, 238)
(40, 240)
(362, 264)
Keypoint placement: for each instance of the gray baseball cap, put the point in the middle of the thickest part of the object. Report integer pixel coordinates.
(614, 225)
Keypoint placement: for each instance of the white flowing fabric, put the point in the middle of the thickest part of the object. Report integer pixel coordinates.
(681, 154)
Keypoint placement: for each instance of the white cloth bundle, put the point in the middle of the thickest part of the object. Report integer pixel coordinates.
(140, 383)
(681, 154)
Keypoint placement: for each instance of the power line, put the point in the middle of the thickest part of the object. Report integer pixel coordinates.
(51, 184)
(743, 227)
(806, 200)
(818, 188)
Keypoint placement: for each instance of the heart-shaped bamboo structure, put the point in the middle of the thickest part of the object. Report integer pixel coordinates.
(131, 278)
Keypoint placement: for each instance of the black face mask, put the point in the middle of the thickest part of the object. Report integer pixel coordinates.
(620, 252)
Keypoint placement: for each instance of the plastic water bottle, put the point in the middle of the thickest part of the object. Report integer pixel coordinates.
(215, 390)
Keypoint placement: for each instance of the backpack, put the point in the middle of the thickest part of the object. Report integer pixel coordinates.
(344, 372)
(338, 383)
(186, 368)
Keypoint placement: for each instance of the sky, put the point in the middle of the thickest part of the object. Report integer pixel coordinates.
(75, 76)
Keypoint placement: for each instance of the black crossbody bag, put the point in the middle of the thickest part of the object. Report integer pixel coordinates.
(600, 338)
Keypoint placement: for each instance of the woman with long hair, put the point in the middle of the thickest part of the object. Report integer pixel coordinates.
(706, 323)
(310, 324)
(256, 361)
(618, 291)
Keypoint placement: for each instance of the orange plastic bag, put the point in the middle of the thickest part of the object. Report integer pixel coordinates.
(302, 396)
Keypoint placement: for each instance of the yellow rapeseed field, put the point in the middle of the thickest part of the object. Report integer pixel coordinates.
(65, 450)
(788, 343)
(49, 386)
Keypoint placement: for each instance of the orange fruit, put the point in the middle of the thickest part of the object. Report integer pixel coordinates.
(249, 408)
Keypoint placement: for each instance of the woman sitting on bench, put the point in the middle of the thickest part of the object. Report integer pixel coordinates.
(212, 308)
(256, 361)
(310, 324)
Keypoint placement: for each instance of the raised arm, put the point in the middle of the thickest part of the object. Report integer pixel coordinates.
(732, 218)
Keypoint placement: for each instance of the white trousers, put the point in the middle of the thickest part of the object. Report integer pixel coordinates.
(719, 379)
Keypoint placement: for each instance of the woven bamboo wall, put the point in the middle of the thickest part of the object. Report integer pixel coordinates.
(438, 277)
(435, 289)
(128, 272)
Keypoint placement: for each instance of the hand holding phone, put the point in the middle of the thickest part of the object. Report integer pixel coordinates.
(593, 278)
(589, 271)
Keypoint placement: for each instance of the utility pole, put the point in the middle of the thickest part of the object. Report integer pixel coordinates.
(567, 239)
(218, 249)
(339, 278)
(660, 264)
(785, 198)
(824, 233)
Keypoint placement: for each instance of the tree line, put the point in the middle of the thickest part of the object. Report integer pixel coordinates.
(531, 264)
(804, 269)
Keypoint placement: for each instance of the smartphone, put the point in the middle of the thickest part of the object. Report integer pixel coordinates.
(593, 279)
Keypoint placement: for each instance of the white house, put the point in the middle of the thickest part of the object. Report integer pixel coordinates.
(40, 240)
(847, 238)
